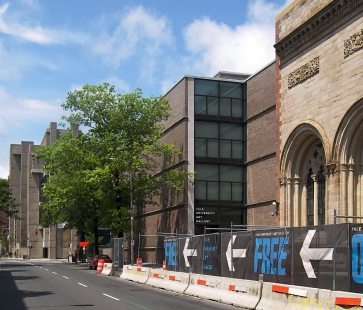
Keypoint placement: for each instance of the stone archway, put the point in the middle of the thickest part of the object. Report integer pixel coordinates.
(297, 161)
(348, 163)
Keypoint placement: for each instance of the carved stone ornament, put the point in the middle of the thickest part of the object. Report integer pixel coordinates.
(331, 17)
(282, 181)
(332, 168)
(354, 43)
(304, 72)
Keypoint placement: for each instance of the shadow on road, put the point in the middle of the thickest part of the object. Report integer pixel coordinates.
(10, 296)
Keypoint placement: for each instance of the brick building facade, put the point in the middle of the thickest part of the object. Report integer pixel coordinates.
(225, 127)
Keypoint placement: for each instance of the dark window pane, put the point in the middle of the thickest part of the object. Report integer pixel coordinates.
(237, 108)
(200, 105)
(212, 108)
(230, 131)
(212, 191)
(232, 90)
(226, 151)
(206, 172)
(200, 190)
(212, 148)
(231, 173)
(237, 191)
(225, 107)
(225, 191)
(205, 87)
(237, 149)
(200, 147)
(206, 130)
(321, 196)
(229, 215)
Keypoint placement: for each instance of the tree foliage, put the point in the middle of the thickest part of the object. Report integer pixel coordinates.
(89, 172)
(7, 202)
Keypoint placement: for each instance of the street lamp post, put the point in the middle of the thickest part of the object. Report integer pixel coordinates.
(131, 222)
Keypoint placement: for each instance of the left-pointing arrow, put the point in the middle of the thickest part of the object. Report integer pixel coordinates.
(236, 253)
(188, 252)
(307, 254)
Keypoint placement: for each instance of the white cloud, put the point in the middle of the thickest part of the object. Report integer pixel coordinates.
(246, 48)
(34, 32)
(4, 171)
(16, 111)
(120, 85)
(138, 31)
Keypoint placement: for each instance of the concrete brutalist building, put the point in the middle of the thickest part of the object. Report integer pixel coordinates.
(26, 178)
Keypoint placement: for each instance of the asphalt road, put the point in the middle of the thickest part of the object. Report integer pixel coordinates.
(51, 284)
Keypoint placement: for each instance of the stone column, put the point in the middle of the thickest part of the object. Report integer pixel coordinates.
(316, 216)
(343, 191)
(351, 192)
(303, 205)
(360, 194)
(289, 210)
(282, 210)
(296, 201)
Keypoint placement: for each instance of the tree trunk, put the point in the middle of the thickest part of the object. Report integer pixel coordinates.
(95, 227)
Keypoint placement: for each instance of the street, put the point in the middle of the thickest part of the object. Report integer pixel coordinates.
(48, 284)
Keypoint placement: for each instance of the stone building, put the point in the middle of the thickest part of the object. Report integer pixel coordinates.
(320, 111)
(26, 178)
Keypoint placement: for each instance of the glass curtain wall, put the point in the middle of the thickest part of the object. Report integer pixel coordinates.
(220, 153)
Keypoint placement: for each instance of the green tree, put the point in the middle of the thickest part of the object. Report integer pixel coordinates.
(89, 172)
(7, 202)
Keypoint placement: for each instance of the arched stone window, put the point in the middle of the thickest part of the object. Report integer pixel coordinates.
(315, 187)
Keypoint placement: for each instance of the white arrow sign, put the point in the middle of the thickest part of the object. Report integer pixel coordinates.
(307, 254)
(236, 253)
(188, 252)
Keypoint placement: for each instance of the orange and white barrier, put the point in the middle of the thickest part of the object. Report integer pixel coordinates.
(281, 296)
(347, 300)
(107, 268)
(135, 273)
(100, 264)
(238, 292)
(168, 280)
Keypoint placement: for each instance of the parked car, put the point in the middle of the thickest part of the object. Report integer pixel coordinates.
(94, 261)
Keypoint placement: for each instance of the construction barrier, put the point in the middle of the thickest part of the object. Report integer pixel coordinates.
(168, 280)
(100, 264)
(281, 296)
(107, 268)
(243, 293)
(135, 273)
(346, 300)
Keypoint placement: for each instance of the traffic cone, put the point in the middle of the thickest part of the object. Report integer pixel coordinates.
(164, 265)
(100, 265)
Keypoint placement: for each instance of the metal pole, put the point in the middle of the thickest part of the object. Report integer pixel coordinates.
(231, 263)
(131, 220)
(202, 272)
(138, 249)
(335, 248)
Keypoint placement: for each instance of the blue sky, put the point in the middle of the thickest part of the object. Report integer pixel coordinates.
(48, 48)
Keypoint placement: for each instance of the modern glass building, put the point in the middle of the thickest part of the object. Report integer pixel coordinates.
(219, 153)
